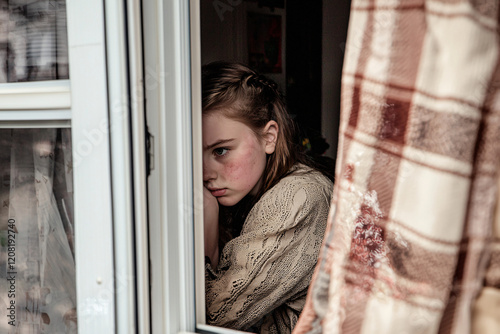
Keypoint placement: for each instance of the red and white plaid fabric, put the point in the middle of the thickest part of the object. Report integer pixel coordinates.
(409, 245)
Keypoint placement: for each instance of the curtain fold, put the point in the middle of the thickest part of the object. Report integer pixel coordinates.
(37, 266)
(409, 241)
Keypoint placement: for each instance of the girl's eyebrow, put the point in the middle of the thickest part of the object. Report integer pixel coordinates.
(218, 142)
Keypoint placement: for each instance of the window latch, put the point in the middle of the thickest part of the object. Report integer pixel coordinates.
(150, 162)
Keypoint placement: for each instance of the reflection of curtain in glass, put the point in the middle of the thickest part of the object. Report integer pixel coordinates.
(63, 183)
(41, 204)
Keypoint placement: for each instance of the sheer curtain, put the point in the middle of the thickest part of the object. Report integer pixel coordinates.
(37, 266)
(409, 246)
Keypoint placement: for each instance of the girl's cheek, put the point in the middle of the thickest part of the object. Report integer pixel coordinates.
(240, 166)
(233, 169)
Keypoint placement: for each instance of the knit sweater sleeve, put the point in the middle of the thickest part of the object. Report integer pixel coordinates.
(270, 264)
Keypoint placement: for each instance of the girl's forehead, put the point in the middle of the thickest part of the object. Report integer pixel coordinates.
(224, 120)
(219, 117)
(218, 127)
(221, 121)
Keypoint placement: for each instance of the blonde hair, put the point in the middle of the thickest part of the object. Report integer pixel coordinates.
(240, 93)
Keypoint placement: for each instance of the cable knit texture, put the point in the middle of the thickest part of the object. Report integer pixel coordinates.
(263, 274)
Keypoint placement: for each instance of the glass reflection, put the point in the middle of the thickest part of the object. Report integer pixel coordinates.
(33, 40)
(37, 264)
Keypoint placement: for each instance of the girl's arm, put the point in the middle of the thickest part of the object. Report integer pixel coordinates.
(211, 227)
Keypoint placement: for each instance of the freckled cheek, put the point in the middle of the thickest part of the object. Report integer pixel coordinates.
(235, 171)
(232, 170)
(243, 170)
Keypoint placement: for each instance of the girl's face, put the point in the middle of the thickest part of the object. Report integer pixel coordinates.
(234, 157)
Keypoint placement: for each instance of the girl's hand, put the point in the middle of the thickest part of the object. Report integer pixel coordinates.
(211, 226)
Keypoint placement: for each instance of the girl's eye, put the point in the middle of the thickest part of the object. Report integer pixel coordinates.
(221, 151)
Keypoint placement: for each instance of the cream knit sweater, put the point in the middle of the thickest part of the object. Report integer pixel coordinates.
(263, 275)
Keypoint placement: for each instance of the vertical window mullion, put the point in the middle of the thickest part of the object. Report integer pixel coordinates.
(92, 175)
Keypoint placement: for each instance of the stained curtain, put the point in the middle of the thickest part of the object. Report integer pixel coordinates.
(412, 244)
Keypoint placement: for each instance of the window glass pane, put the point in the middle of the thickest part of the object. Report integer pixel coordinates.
(33, 40)
(37, 263)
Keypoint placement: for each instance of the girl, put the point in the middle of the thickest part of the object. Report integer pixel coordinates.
(265, 208)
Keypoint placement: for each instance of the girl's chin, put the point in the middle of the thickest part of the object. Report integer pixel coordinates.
(227, 201)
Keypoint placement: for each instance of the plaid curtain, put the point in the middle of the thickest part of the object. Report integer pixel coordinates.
(410, 244)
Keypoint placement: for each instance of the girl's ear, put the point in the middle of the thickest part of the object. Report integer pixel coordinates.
(270, 135)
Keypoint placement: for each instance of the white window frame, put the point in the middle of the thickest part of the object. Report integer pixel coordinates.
(92, 177)
(103, 103)
(36, 95)
(104, 65)
(172, 51)
(168, 53)
(90, 103)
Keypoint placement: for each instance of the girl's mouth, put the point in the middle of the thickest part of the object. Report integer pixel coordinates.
(218, 192)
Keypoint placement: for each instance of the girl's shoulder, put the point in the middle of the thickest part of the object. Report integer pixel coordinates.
(303, 195)
(302, 178)
(303, 174)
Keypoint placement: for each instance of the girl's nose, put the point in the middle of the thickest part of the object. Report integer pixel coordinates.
(209, 172)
